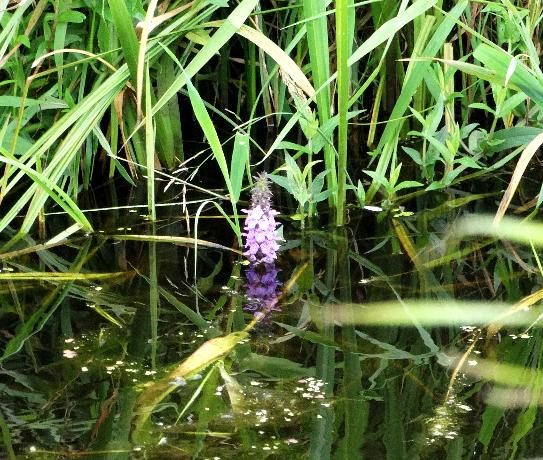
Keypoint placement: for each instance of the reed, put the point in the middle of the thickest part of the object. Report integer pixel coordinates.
(329, 80)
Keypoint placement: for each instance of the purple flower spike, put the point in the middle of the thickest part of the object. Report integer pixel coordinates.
(260, 228)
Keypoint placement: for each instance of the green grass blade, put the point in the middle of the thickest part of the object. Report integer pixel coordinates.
(342, 44)
(429, 313)
(230, 26)
(390, 28)
(142, 48)
(204, 356)
(240, 159)
(150, 148)
(127, 35)
(57, 277)
(52, 190)
(74, 127)
(508, 229)
(205, 122)
(178, 240)
(191, 315)
(168, 120)
(499, 61)
(11, 26)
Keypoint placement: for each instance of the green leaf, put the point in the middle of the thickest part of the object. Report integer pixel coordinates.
(407, 184)
(318, 182)
(208, 127)
(510, 138)
(522, 79)
(207, 354)
(318, 197)
(469, 162)
(240, 159)
(480, 105)
(297, 217)
(48, 103)
(281, 181)
(286, 145)
(23, 40)
(360, 193)
(395, 174)
(71, 16)
(127, 35)
(389, 28)
(310, 336)
(205, 283)
(490, 419)
(510, 104)
(292, 167)
(414, 154)
(437, 185)
(192, 316)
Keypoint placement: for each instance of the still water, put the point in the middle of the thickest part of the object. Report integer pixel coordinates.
(132, 343)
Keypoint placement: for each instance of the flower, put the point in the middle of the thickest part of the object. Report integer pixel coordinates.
(262, 289)
(260, 228)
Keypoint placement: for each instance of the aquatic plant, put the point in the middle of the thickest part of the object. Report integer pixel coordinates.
(382, 101)
(260, 233)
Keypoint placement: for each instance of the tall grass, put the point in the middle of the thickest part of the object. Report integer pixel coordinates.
(92, 89)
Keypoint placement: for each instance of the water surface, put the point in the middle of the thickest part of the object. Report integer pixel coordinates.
(124, 344)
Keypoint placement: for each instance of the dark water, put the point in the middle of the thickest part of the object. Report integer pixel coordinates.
(128, 354)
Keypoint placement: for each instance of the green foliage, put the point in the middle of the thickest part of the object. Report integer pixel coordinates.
(295, 182)
(384, 104)
(391, 186)
(99, 67)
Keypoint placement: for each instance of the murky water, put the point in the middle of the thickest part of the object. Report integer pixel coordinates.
(125, 345)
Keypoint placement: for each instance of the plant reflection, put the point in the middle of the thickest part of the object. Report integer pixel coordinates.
(262, 290)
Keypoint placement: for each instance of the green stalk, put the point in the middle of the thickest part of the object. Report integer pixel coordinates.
(321, 438)
(342, 43)
(149, 149)
(355, 407)
(153, 298)
(314, 11)
(266, 79)
(250, 76)
(449, 104)
(6, 437)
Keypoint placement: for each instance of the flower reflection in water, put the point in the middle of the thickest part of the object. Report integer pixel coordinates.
(262, 290)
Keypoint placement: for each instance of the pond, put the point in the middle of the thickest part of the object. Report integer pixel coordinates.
(387, 338)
